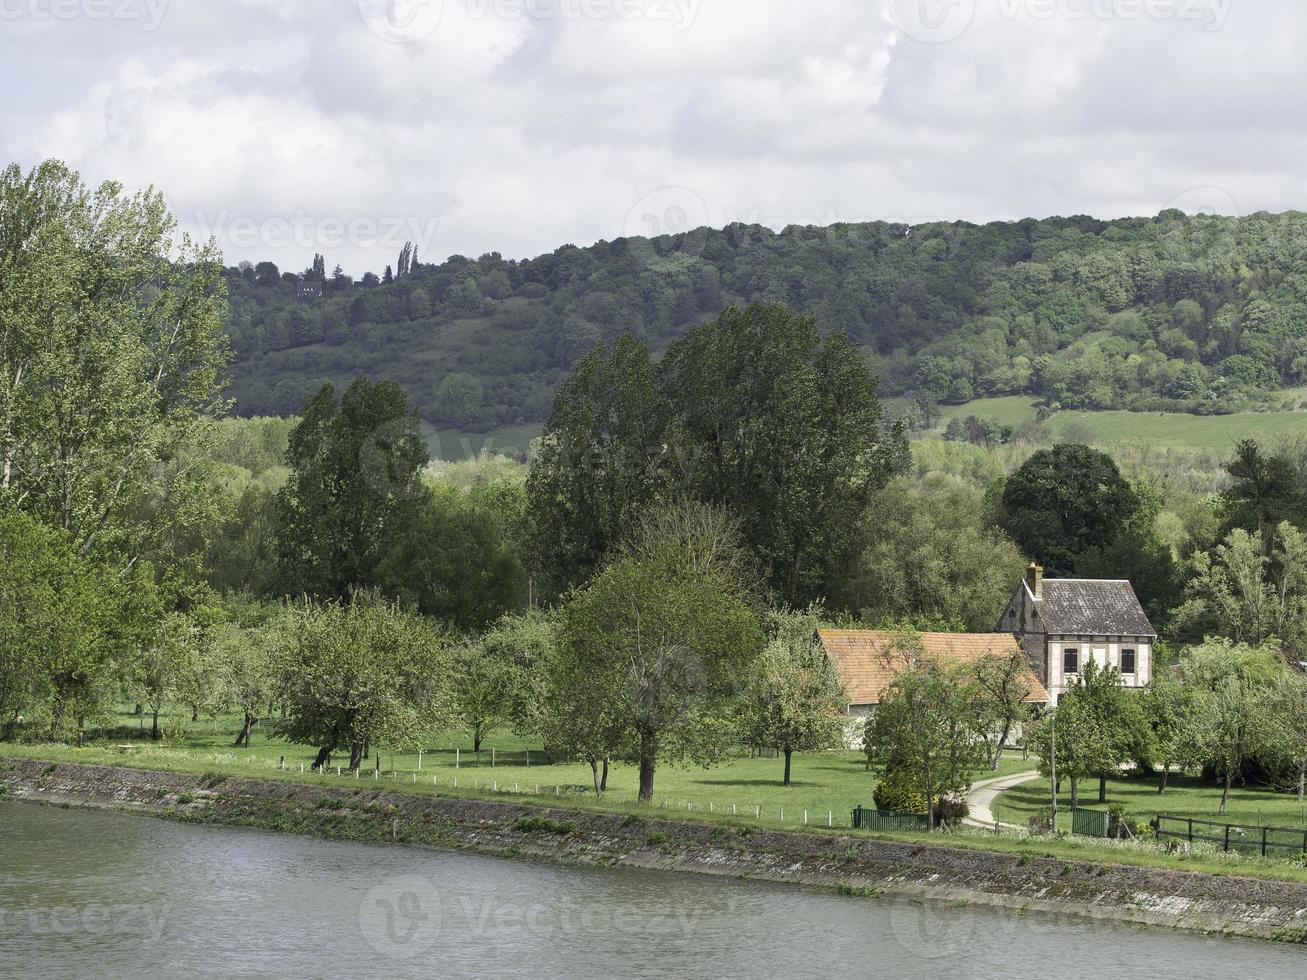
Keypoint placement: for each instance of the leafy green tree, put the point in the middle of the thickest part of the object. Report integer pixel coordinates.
(598, 463)
(364, 673)
(664, 645)
(795, 701)
(1171, 708)
(112, 358)
(483, 689)
(924, 730)
(355, 476)
(450, 559)
(1240, 591)
(927, 551)
(1264, 490)
(1064, 501)
(1139, 554)
(1002, 694)
(1231, 727)
(784, 430)
(1288, 724)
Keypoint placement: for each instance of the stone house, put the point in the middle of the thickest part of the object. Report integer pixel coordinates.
(868, 661)
(1064, 623)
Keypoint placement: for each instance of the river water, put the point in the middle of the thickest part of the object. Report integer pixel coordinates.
(93, 894)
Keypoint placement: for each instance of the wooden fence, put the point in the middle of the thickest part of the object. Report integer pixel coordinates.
(1246, 838)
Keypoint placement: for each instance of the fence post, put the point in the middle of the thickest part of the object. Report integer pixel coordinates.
(829, 817)
(1227, 837)
(1191, 830)
(456, 758)
(419, 760)
(1264, 841)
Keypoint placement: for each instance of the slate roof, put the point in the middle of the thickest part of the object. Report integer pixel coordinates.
(1092, 607)
(867, 661)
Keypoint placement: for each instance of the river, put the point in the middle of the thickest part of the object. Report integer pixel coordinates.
(102, 894)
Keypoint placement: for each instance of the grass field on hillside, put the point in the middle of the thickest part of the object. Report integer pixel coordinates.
(1154, 428)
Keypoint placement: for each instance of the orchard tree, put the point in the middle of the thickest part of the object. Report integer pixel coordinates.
(1064, 501)
(112, 359)
(1171, 707)
(664, 641)
(795, 701)
(1002, 691)
(1231, 726)
(363, 673)
(482, 689)
(924, 731)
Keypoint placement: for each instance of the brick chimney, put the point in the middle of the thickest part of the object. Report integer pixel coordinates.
(1035, 579)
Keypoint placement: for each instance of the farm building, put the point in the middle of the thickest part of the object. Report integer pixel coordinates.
(1064, 623)
(868, 661)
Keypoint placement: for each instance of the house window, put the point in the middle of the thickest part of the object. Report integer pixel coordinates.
(1127, 661)
(1070, 661)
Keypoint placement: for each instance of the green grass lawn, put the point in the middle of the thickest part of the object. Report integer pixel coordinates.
(1186, 796)
(828, 785)
(1154, 428)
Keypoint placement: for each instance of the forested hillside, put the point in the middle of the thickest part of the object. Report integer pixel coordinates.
(1201, 314)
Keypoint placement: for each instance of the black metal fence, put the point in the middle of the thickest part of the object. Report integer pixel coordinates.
(1245, 838)
(865, 819)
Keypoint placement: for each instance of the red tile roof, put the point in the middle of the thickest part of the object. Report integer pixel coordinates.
(868, 661)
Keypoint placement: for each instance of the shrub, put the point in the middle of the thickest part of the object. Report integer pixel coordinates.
(951, 811)
(899, 792)
(185, 798)
(544, 825)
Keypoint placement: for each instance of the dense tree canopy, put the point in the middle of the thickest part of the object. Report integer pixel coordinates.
(112, 360)
(1200, 313)
(1064, 501)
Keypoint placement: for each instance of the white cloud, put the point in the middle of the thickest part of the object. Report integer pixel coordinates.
(517, 125)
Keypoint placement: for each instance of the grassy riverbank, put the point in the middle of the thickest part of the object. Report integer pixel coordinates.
(482, 785)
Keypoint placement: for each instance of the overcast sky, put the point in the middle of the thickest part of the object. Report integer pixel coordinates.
(349, 126)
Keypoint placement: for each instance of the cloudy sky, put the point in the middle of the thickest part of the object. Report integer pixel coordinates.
(349, 126)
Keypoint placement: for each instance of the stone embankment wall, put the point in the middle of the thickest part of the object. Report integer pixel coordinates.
(1199, 902)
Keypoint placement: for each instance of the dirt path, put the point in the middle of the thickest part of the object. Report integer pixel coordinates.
(983, 794)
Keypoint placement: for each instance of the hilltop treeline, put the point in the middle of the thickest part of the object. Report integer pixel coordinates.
(1200, 314)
